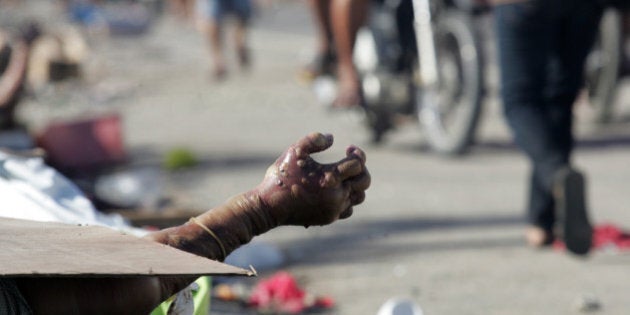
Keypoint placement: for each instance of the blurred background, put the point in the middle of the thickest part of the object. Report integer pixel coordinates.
(126, 100)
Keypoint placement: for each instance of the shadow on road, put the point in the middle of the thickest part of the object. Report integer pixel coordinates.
(363, 241)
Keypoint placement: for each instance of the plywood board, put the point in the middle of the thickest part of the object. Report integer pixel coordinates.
(29, 248)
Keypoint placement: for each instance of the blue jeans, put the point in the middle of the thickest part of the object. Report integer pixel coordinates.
(542, 48)
(217, 9)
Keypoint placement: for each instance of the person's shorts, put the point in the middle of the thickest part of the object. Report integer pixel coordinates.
(217, 9)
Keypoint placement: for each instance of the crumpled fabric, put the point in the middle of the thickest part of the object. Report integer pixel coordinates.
(606, 236)
(609, 235)
(279, 293)
(32, 190)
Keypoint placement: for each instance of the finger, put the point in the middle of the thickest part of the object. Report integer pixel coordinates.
(346, 213)
(314, 142)
(361, 182)
(349, 167)
(355, 151)
(357, 197)
(329, 180)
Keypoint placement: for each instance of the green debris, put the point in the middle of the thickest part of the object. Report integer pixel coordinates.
(179, 158)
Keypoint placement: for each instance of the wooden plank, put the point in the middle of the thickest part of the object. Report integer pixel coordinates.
(29, 248)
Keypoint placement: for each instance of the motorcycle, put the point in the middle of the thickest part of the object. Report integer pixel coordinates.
(421, 59)
(606, 63)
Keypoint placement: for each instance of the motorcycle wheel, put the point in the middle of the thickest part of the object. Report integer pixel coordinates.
(603, 65)
(449, 112)
(369, 62)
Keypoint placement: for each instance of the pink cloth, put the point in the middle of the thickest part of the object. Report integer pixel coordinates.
(279, 293)
(605, 236)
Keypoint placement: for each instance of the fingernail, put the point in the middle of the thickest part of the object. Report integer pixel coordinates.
(320, 141)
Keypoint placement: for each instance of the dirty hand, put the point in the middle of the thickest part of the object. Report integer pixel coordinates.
(297, 190)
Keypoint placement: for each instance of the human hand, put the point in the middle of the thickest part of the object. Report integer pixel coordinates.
(297, 190)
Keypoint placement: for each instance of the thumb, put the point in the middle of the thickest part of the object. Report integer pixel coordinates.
(312, 143)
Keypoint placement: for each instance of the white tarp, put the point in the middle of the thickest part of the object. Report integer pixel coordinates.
(31, 190)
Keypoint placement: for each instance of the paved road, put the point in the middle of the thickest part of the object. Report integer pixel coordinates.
(446, 232)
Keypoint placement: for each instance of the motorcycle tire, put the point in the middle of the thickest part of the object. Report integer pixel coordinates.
(449, 113)
(377, 53)
(603, 65)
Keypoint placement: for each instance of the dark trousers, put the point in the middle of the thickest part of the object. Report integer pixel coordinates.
(542, 48)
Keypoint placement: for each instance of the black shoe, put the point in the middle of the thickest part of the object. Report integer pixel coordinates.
(570, 201)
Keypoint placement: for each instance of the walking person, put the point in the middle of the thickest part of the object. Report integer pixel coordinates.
(542, 46)
(337, 23)
(212, 14)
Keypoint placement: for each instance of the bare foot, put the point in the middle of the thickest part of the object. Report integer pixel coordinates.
(349, 92)
(219, 73)
(538, 237)
(322, 64)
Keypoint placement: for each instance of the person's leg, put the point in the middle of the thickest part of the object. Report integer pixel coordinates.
(570, 48)
(211, 13)
(347, 17)
(182, 9)
(524, 38)
(573, 42)
(243, 10)
(406, 31)
(215, 33)
(324, 59)
(574, 33)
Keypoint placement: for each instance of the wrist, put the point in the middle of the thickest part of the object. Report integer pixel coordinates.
(257, 212)
(239, 219)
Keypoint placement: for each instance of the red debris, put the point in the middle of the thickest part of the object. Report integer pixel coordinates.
(605, 236)
(279, 293)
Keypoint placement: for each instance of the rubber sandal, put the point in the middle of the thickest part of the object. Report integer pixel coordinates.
(570, 199)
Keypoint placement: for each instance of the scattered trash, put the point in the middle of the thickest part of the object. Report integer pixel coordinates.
(36, 191)
(116, 19)
(325, 89)
(16, 139)
(178, 159)
(277, 294)
(400, 306)
(280, 293)
(55, 56)
(587, 304)
(606, 237)
(236, 291)
(84, 144)
(130, 188)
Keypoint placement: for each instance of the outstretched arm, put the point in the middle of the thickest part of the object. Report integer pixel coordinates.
(296, 190)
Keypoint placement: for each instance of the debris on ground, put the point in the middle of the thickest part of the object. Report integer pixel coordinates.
(606, 237)
(179, 158)
(278, 294)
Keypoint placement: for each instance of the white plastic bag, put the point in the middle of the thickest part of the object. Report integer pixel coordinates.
(31, 190)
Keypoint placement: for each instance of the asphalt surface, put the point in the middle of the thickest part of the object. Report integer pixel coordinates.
(447, 232)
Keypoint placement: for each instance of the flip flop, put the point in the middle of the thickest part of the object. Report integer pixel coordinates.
(569, 193)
